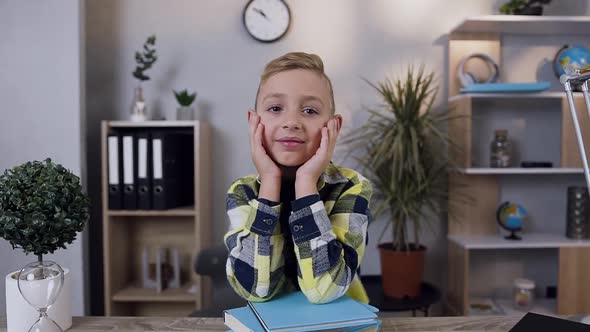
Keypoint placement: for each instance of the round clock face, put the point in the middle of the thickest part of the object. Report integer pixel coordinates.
(267, 20)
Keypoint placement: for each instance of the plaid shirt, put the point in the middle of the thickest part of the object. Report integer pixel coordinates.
(323, 238)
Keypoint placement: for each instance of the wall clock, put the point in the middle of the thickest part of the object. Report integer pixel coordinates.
(267, 20)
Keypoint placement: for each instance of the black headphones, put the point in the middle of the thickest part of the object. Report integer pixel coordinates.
(467, 78)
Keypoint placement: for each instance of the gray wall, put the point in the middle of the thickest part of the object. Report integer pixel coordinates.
(40, 116)
(203, 46)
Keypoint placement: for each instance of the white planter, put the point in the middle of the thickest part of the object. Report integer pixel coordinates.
(20, 315)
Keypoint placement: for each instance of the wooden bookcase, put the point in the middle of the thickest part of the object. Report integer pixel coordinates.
(126, 232)
(481, 263)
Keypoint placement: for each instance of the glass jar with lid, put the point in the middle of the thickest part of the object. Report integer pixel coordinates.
(524, 294)
(500, 150)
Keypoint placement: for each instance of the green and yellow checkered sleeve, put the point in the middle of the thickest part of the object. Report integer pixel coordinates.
(330, 238)
(255, 263)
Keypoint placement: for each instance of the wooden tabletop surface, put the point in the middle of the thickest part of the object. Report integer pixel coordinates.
(422, 324)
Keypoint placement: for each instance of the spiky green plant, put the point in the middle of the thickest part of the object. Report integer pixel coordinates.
(403, 152)
(184, 98)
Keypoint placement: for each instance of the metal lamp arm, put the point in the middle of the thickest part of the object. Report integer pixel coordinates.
(579, 77)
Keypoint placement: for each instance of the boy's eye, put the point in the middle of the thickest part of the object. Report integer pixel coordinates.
(310, 111)
(274, 109)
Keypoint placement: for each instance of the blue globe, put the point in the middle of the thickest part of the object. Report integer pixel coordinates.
(511, 217)
(575, 56)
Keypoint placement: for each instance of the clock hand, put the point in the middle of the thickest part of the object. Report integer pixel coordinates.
(261, 13)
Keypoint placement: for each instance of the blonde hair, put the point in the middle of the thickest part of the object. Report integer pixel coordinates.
(295, 60)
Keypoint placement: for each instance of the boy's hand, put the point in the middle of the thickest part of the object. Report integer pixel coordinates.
(313, 168)
(266, 167)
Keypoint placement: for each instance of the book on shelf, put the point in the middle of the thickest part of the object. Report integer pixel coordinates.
(294, 312)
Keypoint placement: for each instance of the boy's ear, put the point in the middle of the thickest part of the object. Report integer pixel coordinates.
(250, 113)
(339, 120)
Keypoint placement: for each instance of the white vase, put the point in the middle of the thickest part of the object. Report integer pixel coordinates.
(20, 315)
(138, 108)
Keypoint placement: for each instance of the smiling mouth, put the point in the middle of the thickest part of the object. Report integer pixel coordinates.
(290, 143)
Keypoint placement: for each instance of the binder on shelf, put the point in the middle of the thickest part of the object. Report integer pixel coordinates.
(129, 171)
(173, 165)
(144, 170)
(115, 180)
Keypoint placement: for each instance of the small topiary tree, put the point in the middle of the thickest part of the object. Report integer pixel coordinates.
(42, 207)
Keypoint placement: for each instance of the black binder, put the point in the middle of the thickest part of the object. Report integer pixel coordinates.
(129, 143)
(115, 172)
(173, 169)
(144, 170)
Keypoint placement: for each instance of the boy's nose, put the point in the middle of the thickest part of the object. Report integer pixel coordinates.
(291, 121)
(293, 125)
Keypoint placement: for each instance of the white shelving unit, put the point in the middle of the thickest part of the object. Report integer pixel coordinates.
(541, 125)
(530, 25)
(516, 170)
(542, 306)
(505, 95)
(529, 241)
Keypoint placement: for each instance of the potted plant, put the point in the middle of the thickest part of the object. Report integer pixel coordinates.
(523, 7)
(42, 207)
(185, 99)
(402, 151)
(145, 59)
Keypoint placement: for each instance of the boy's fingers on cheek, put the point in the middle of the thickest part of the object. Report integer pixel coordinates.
(325, 137)
(260, 136)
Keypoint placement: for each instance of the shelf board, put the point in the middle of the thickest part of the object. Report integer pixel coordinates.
(134, 293)
(522, 170)
(515, 95)
(529, 241)
(519, 24)
(114, 124)
(179, 212)
(542, 306)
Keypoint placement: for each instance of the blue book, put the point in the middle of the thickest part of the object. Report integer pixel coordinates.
(294, 312)
(243, 320)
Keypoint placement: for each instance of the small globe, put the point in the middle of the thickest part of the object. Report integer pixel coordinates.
(511, 217)
(574, 56)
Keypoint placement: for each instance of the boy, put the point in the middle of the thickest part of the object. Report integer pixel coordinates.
(301, 223)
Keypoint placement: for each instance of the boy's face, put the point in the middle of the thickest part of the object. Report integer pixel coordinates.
(293, 106)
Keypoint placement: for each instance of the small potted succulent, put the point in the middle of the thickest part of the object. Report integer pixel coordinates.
(185, 100)
(42, 208)
(145, 59)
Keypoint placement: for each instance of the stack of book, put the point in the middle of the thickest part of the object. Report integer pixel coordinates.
(294, 312)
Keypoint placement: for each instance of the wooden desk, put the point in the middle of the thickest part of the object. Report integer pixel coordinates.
(429, 324)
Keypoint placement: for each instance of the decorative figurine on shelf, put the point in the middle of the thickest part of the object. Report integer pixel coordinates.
(185, 99)
(162, 272)
(511, 217)
(144, 60)
(523, 7)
